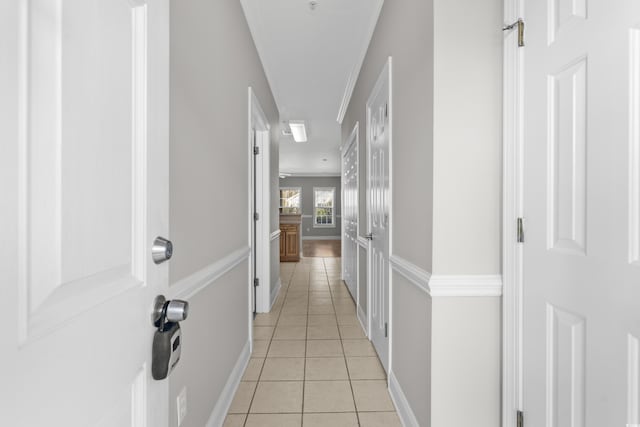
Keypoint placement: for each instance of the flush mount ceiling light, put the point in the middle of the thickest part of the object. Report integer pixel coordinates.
(298, 130)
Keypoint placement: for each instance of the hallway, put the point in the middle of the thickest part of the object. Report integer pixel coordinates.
(312, 365)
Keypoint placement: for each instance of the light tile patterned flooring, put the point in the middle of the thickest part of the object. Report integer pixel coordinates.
(312, 365)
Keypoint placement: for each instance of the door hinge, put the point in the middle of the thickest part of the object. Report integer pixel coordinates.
(256, 149)
(519, 231)
(256, 216)
(519, 419)
(520, 25)
(256, 282)
(386, 329)
(386, 110)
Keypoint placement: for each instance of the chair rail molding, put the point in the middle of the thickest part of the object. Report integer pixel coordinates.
(465, 285)
(445, 285)
(411, 272)
(191, 285)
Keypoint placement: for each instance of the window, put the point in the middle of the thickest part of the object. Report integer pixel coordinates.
(323, 207)
(290, 202)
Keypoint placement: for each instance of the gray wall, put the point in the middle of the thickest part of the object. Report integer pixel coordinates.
(446, 106)
(213, 61)
(466, 362)
(467, 137)
(411, 330)
(307, 184)
(404, 32)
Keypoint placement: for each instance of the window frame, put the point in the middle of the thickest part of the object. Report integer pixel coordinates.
(298, 189)
(333, 208)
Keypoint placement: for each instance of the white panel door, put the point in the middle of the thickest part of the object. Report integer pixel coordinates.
(350, 216)
(581, 204)
(378, 139)
(85, 192)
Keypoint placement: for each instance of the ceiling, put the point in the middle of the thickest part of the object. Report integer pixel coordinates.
(312, 57)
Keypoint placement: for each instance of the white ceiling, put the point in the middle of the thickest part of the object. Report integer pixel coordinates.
(311, 58)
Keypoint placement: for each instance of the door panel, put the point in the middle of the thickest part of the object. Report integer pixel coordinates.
(378, 141)
(580, 204)
(350, 217)
(91, 186)
(292, 243)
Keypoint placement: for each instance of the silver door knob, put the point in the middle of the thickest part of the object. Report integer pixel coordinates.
(165, 311)
(162, 250)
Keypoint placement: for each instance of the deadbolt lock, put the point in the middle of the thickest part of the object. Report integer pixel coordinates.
(162, 250)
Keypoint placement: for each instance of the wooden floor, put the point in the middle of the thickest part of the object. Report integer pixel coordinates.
(321, 248)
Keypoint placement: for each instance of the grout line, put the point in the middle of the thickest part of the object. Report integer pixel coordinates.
(344, 355)
(306, 288)
(264, 361)
(306, 338)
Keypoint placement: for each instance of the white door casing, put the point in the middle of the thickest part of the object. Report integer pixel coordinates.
(581, 197)
(85, 187)
(378, 116)
(350, 213)
(512, 210)
(259, 129)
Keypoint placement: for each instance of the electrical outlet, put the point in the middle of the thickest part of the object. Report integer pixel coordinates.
(182, 406)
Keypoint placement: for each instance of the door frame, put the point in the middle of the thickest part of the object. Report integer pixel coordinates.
(387, 68)
(260, 253)
(351, 141)
(512, 209)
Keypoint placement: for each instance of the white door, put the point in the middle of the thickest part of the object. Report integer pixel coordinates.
(378, 138)
(581, 200)
(84, 160)
(350, 216)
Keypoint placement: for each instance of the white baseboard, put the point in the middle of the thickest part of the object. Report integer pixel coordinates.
(321, 237)
(362, 318)
(226, 397)
(274, 293)
(407, 417)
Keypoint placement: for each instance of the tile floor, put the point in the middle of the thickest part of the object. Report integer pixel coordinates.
(312, 365)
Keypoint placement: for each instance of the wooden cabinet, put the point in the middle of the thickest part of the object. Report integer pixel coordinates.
(289, 242)
(283, 245)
